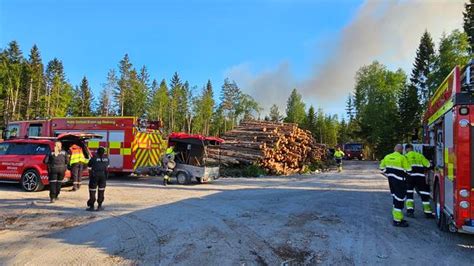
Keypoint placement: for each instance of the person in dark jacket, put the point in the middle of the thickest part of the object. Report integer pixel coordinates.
(57, 163)
(97, 178)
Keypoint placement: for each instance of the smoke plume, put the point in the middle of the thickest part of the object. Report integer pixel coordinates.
(387, 31)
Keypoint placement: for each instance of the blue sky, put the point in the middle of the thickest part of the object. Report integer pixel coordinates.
(290, 42)
(199, 39)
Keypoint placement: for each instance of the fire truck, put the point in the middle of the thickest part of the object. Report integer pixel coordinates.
(131, 143)
(449, 131)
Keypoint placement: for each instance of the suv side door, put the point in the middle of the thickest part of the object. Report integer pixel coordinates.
(13, 161)
(34, 154)
(5, 161)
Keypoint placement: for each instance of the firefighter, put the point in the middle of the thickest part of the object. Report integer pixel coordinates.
(57, 163)
(396, 168)
(97, 178)
(168, 164)
(77, 162)
(338, 155)
(417, 180)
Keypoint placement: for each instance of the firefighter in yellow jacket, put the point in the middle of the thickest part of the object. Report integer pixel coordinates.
(396, 168)
(417, 180)
(338, 155)
(77, 162)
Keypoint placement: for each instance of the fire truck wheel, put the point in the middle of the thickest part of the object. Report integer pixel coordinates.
(31, 181)
(183, 178)
(439, 213)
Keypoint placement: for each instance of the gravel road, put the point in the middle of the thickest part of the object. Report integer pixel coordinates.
(330, 218)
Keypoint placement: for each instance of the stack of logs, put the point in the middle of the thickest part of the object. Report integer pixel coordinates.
(280, 148)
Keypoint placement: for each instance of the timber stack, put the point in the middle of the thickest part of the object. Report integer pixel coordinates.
(280, 148)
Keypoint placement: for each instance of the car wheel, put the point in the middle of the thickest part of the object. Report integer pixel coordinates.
(439, 213)
(31, 181)
(182, 178)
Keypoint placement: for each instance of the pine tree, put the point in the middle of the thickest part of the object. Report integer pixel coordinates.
(207, 107)
(350, 108)
(275, 115)
(160, 104)
(59, 93)
(422, 67)
(82, 101)
(175, 94)
(123, 89)
(230, 98)
(310, 121)
(343, 134)
(34, 104)
(13, 64)
(469, 23)
(106, 105)
(295, 108)
(409, 111)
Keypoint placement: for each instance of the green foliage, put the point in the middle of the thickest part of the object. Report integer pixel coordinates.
(453, 50)
(246, 171)
(295, 108)
(275, 115)
(468, 24)
(81, 104)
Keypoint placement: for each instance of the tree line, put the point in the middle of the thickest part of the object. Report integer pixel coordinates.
(30, 90)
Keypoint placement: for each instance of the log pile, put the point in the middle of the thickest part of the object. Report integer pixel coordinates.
(280, 148)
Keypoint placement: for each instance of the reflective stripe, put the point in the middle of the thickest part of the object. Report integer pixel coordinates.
(417, 165)
(417, 174)
(409, 200)
(395, 176)
(410, 191)
(397, 214)
(426, 203)
(90, 189)
(397, 198)
(93, 144)
(53, 181)
(397, 168)
(424, 193)
(102, 188)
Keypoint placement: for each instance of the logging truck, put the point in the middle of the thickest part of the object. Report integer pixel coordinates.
(449, 132)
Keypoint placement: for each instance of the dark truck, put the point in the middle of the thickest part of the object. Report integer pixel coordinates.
(353, 150)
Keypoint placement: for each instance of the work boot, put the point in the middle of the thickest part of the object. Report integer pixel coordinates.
(90, 208)
(100, 208)
(52, 200)
(429, 215)
(411, 213)
(402, 223)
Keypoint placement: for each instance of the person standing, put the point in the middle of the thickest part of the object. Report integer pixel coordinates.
(417, 179)
(57, 163)
(168, 164)
(396, 168)
(97, 178)
(77, 162)
(338, 155)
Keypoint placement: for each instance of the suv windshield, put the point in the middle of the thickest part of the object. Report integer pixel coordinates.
(353, 147)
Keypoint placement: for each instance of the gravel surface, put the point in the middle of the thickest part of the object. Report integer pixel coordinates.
(329, 218)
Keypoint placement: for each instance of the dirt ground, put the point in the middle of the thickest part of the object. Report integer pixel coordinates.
(328, 218)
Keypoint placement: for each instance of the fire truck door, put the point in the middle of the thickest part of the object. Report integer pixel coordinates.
(449, 162)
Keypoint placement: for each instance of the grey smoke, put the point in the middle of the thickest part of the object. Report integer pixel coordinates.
(387, 31)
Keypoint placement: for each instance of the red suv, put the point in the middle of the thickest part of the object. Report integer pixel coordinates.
(21, 160)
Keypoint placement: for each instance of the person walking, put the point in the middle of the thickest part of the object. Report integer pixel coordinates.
(338, 155)
(77, 162)
(57, 163)
(396, 168)
(98, 175)
(417, 180)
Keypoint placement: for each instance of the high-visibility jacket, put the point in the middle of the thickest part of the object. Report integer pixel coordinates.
(170, 150)
(77, 155)
(418, 163)
(338, 154)
(395, 165)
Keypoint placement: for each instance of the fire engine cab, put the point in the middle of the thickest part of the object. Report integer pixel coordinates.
(449, 131)
(131, 143)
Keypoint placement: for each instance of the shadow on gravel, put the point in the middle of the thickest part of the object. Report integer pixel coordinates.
(267, 227)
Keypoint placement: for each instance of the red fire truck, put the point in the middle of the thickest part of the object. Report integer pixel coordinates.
(449, 131)
(131, 143)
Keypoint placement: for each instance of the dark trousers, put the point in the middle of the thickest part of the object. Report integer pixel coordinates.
(398, 190)
(418, 183)
(96, 185)
(55, 178)
(76, 172)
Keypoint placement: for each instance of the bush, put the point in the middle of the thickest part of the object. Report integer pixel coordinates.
(244, 171)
